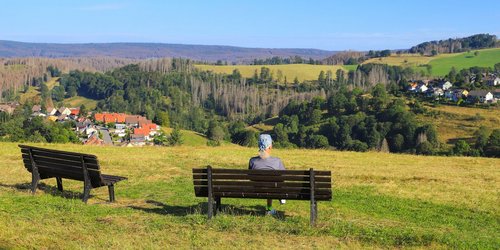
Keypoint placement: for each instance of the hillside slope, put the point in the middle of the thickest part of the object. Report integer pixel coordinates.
(290, 71)
(380, 200)
(152, 50)
(442, 63)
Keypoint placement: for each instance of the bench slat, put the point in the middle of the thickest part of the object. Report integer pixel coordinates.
(60, 161)
(267, 196)
(26, 147)
(262, 172)
(261, 177)
(66, 157)
(263, 184)
(265, 190)
(73, 168)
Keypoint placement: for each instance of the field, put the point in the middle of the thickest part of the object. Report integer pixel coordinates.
(406, 60)
(486, 58)
(454, 123)
(77, 101)
(442, 63)
(301, 71)
(380, 201)
(53, 82)
(33, 94)
(189, 138)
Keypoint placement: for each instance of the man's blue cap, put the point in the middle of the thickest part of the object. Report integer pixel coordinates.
(265, 141)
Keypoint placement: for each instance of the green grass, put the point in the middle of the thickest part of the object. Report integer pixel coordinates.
(301, 71)
(454, 122)
(33, 94)
(53, 82)
(77, 101)
(442, 63)
(485, 58)
(380, 201)
(190, 138)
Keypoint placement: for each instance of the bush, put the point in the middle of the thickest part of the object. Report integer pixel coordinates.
(356, 145)
(317, 141)
(425, 148)
(461, 148)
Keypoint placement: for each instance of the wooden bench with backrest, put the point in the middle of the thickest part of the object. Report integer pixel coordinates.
(48, 163)
(217, 183)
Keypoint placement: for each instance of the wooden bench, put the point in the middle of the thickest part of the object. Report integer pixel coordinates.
(48, 163)
(215, 184)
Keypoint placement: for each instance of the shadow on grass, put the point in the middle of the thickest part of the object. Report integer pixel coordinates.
(47, 189)
(202, 207)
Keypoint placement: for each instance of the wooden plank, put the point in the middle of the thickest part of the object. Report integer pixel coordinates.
(264, 177)
(59, 166)
(60, 161)
(261, 172)
(62, 156)
(56, 151)
(267, 190)
(262, 184)
(270, 196)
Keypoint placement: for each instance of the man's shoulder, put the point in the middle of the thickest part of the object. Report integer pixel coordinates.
(254, 158)
(272, 158)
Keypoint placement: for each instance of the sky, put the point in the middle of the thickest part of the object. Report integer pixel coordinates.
(329, 25)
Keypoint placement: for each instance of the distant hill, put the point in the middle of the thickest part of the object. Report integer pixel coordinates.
(152, 50)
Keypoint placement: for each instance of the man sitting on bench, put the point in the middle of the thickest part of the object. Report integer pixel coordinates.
(266, 162)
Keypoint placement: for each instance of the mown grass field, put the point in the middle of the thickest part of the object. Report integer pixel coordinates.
(442, 63)
(454, 123)
(380, 201)
(189, 138)
(33, 94)
(77, 101)
(301, 71)
(486, 58)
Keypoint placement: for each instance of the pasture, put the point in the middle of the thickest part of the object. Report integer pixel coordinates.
(290, 71)
(379, 201)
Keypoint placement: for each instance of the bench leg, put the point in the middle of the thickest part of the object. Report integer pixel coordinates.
(59, 184)
(210, 207)
(35, 179)
(314, 212)
(86, 191)
(217, 204)
(111, 189)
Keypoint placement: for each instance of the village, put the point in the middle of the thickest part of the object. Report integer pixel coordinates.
(95, 128)
(447, 92)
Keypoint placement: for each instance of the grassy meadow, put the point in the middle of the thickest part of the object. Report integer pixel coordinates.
(77, 101)
(380, 201)
(301, 71)
(486, 58)
(442, 63)
(454, 122)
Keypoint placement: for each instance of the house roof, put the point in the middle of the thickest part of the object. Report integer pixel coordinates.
(134, 119)
(75, 111)
(36, 108)
(62, 109)
(479, 92)
(141, 131)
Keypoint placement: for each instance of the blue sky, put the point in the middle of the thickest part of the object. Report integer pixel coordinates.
(331, 25)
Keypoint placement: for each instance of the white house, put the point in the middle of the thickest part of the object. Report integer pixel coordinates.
(483, 96)
(90, 130)
(437, 92)
(51, 111)
(422, 88)
(494, 82)
(64, 111)
(446, 85)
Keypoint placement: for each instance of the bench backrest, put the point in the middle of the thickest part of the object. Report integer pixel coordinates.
(264, 184)
(56, 163)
